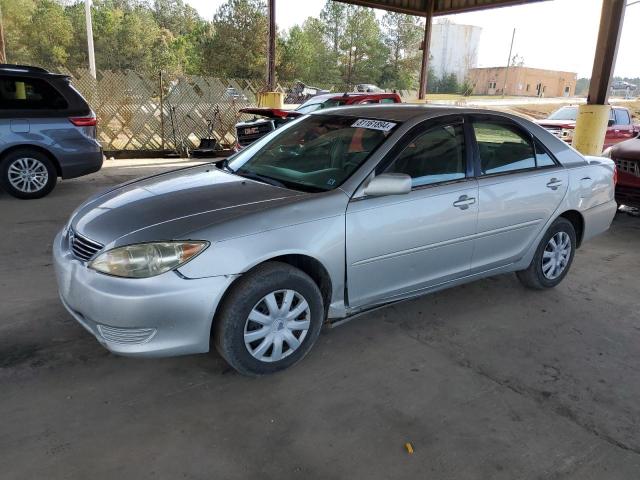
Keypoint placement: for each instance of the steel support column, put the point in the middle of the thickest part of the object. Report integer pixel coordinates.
(591, 124)
(424, 70)
(606, 50)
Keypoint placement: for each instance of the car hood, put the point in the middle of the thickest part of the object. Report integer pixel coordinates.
(556, 123)
(627, 150)
(170, 205)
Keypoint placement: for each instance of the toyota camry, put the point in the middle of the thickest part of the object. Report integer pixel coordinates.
(337, 212)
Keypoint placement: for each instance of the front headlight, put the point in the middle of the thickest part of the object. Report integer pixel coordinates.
(146, 259)
(567, 134)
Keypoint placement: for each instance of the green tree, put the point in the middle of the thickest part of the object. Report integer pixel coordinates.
(237, 47)
(176, 16)
(403, 36)
(363, 52)
(36, 32)
(16, 16)
(304, 56)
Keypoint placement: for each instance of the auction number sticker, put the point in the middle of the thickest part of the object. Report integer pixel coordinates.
(374, 124)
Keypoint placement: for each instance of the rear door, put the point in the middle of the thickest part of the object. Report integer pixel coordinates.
(401, 244)
(520, 186)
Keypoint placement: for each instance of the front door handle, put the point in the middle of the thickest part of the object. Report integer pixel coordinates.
(464, 201)
(554, 183)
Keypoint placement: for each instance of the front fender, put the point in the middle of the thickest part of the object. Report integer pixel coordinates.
(321, 239)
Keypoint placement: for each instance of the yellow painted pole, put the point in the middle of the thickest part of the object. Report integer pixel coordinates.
(591, 128)
(271, 99)
(21, 93)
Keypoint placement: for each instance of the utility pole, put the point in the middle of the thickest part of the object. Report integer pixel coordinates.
(92, 55)
(506, 73)
(3, 55)
(271, 53)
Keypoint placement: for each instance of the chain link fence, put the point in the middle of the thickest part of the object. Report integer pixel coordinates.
(162, 112)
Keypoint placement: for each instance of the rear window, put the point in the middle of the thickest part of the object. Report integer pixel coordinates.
(621, 116)
(565, 113)
(23, 93)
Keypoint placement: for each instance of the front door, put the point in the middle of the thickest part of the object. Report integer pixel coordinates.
(396, 245)
(520, 187)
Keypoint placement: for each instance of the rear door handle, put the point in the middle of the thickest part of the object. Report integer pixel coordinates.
(554, 183)
(464, 201)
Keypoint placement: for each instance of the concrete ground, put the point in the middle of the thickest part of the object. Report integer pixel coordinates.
(487, 381)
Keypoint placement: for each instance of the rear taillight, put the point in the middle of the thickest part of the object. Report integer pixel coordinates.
(84, 121)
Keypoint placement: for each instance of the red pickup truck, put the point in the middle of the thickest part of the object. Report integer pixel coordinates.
(627, 157)
(272, 118)
(562, 123)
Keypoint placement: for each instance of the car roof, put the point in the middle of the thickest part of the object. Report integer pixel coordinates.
(28, 70)
(399, 112)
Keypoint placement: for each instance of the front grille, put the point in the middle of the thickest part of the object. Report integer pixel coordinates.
(248, 133)
(628, 166)
(83, 248)
(127, 336)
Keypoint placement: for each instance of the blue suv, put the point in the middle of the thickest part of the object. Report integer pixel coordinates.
(47, 130)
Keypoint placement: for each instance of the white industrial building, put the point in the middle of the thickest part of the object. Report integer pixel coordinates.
(454, 48)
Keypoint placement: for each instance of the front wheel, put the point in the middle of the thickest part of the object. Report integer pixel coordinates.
(270, 319)
(553, 256)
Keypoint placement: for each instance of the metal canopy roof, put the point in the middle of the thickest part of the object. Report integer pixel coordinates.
(440, 7)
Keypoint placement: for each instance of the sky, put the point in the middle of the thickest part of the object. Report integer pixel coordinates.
(556, 34)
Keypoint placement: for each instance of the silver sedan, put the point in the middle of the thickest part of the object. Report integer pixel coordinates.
(327, 217)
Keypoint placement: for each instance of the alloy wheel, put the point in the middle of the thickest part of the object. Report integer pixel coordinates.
(555, 257)
(277, 325)
(28, 175)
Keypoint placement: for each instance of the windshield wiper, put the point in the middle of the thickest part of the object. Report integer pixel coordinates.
(261, 178)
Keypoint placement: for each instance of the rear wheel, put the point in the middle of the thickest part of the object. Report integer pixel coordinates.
(27, 174)
(553, 256)
(270, 319)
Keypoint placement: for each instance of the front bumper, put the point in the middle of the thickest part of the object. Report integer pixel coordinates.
(159, 316)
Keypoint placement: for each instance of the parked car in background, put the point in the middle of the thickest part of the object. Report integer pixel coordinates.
(301, 92)
(368, 87)
(562, 124)
(626, 155)
(272, 118)
(47, 130)
(232, 93)
(333, 214)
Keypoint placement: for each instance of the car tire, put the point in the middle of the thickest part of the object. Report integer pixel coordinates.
(27, 173)
(551, 264)
(258, 330)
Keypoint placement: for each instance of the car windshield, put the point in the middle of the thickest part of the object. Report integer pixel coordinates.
(565, 113)
(314, 153)
(311, 106)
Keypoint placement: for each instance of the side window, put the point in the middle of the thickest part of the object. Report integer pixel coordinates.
(622, 117)
(502, 148)
(17, 93)
(434, 156)
(543, 159)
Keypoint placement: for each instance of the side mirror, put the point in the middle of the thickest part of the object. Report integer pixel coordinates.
(611, 122)
(388, 184)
